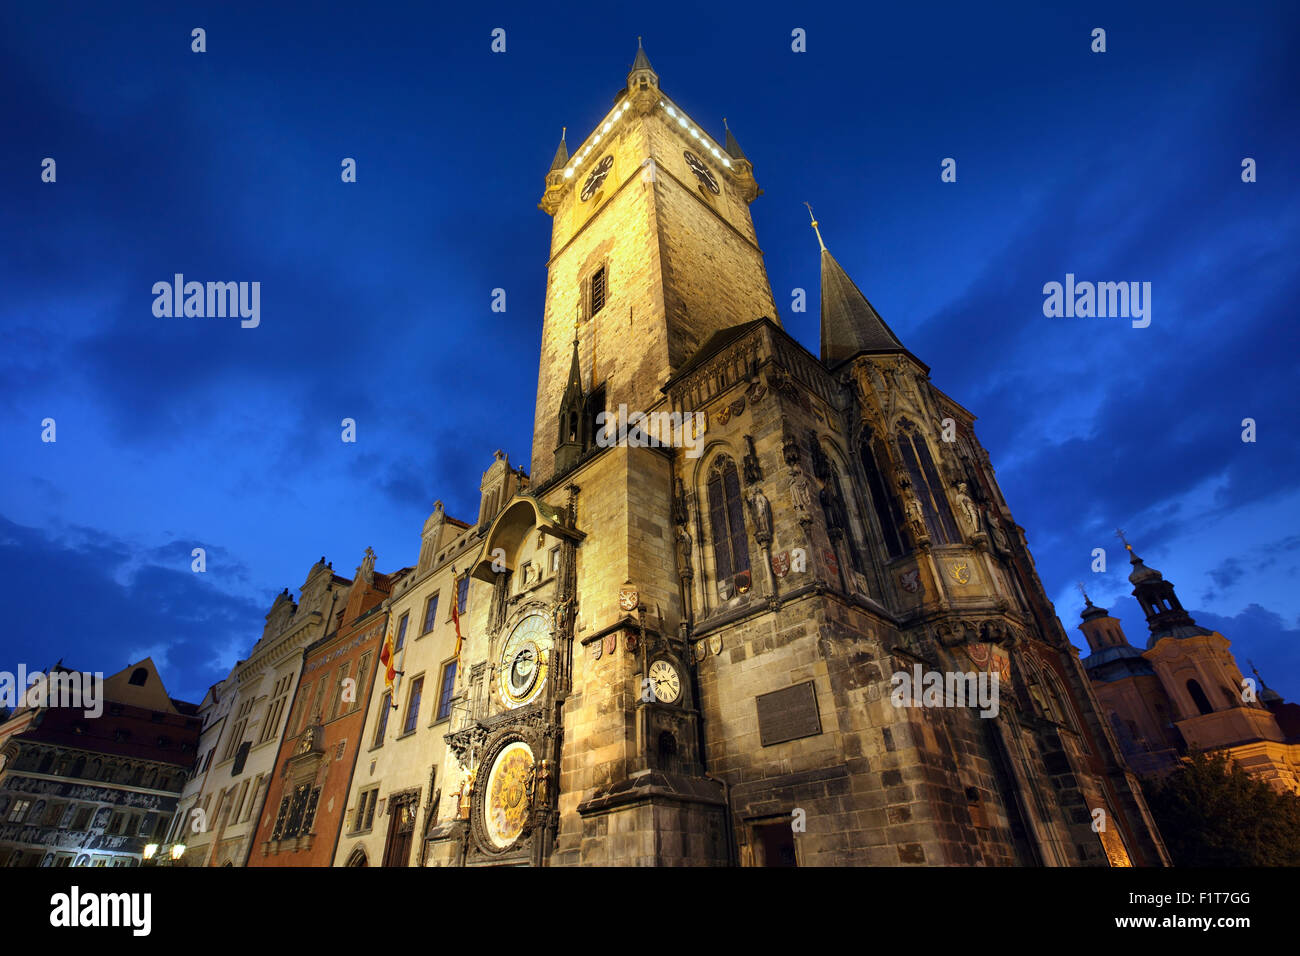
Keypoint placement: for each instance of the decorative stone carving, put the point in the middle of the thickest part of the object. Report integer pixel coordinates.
(967, 513)
(761, 513)
(801, 495)
(753, 470)
(684, 569)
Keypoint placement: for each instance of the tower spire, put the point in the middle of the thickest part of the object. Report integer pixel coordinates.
(734, 149)
(850, 324)
(561, 152)
(814, 222)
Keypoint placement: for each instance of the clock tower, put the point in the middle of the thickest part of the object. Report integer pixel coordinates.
(652, 251)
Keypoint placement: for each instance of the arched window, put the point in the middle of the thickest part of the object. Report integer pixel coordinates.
(875, 459)
(837, 513)
(915, 454)
(727, 522)
(1198, 697)
(139, 676)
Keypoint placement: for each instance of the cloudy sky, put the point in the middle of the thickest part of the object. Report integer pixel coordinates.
(375, 296)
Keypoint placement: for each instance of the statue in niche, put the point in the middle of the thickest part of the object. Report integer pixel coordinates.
(761, 511)
(800, 494)
(967, 513)
(1001, 543)
(684, 545)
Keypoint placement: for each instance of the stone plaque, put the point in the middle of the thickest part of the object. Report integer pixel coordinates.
(788, 714)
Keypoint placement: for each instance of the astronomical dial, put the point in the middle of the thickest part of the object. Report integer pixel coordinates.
(524, 660)
(597, 177)
(507, 798)
(665, 681)
(701, 171)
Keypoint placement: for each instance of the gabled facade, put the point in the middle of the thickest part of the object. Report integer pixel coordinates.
(79, 790)
(262, 687)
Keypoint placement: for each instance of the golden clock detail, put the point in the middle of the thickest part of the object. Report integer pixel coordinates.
(506, 800)
(524, 660)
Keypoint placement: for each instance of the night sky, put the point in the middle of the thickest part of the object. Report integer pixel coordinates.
(176, 433)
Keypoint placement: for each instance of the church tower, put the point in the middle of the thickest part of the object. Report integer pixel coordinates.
(694, 651)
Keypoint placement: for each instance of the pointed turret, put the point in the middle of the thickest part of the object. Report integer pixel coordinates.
(642, 82)
(850, 324)
(569, 450)
(733, 147)
(1113, 657)
(561, 153)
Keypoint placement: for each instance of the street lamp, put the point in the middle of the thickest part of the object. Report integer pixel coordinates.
(149, 851)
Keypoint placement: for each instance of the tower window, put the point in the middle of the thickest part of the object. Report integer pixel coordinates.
(874, 459)
(925, 482)
(139, 676)
(1198, 697)
(727, 521)
(597, 291)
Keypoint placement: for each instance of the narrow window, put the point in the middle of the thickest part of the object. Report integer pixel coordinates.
(448, 684)
(413, 705)
(385, 706)
(726, 519)
(883, 502)
(401, 633)
(597, 290)
(430, 614)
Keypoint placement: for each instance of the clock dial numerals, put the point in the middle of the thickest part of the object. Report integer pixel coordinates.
(665, 680)
(523, 661)
(597, 177)
(702, 172)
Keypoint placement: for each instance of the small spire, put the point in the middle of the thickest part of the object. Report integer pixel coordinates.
(732, 146)
(814, 225)
(561, 152)
(642, 62)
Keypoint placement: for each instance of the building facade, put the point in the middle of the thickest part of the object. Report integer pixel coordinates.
(1185, 692)
(79, 790)
(308, 790)
(235, 786)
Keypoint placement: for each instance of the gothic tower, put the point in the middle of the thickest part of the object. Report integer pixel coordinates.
(700, 626)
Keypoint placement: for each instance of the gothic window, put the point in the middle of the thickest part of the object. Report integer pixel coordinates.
(837, 514)
(1198, 697)
(727, 522)
(915, 454)
(875, 459)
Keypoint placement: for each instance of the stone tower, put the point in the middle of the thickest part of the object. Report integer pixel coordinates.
(713, 636)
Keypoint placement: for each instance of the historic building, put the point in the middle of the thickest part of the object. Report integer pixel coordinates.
(687, 629)
(1185, 692)
(259, 691)
(86, 790)
(396, 792)
(304, 809)
(191, 814)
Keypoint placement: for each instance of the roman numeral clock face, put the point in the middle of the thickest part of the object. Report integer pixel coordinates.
(702, 173)
(597, 177)
(665, 681)
(524, 660)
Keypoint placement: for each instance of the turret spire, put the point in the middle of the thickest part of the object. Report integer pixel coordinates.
(561, 152)
(850, 324)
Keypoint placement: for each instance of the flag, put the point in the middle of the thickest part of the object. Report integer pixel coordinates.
(455, 616)
(387, 657)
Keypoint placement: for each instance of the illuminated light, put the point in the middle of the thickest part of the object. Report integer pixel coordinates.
(727, 163)
(178, 851)
(595, 140)
(671, 111)
(607, 126)
(695, 133)
(681, 122)
(715, 151)
(568, 173)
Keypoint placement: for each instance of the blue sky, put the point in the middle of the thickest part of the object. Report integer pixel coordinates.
(183, 433)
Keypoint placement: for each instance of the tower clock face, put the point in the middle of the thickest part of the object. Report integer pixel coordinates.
(524, 660)
(597, 177)
(701, 171)
(665, 681)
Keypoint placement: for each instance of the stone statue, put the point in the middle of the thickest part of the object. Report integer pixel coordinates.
(800, 494)
(1000, 540)
(684, 553)
(761, 510)
(966, 511)
(915, 514)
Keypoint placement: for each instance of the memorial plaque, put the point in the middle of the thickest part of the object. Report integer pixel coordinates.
(788, 714)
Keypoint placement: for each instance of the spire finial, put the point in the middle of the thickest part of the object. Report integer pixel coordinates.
(814, 225)
(1087, 600)
(638, 43)
(724, 123)
(1119, 533)
(564, 131)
